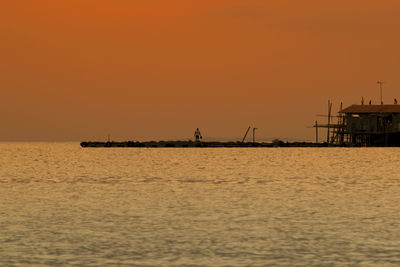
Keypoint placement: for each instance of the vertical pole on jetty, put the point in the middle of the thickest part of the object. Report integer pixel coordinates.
(245, 135)
(108, 138)
(329, 120)
(380, 87)
(341, 125)
(316, 132)
(254, 134)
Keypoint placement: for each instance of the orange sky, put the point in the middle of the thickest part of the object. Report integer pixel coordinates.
(80, 69)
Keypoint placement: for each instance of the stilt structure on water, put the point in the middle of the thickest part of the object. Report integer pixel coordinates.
(363, 125)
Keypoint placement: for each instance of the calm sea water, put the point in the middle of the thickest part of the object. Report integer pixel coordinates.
(64, 205)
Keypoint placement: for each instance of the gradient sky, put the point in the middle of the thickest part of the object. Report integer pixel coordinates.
(141, 70)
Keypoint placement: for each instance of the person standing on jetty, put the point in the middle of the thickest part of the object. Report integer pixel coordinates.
(197, 135)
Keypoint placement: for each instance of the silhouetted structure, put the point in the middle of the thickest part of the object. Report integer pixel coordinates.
(365, 125)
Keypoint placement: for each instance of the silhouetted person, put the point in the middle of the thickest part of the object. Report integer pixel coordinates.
(370, 102)
(362, 101)
(197, 135)
(395, 101)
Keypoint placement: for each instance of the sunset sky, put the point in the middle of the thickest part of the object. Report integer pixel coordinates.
(145, 70)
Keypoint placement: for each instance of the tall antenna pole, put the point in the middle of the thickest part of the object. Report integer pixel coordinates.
(329, 120)
(380, 87)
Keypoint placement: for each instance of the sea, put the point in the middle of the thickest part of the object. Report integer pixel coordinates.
(63, 205)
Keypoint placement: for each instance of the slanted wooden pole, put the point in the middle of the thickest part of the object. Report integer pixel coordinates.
(245, 135)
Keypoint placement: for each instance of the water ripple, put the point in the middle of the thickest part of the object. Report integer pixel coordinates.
(64, 205)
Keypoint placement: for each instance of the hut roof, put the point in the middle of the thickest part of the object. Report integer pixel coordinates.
(358, 109)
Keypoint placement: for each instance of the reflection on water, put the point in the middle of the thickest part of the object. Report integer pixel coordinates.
(64, 205)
